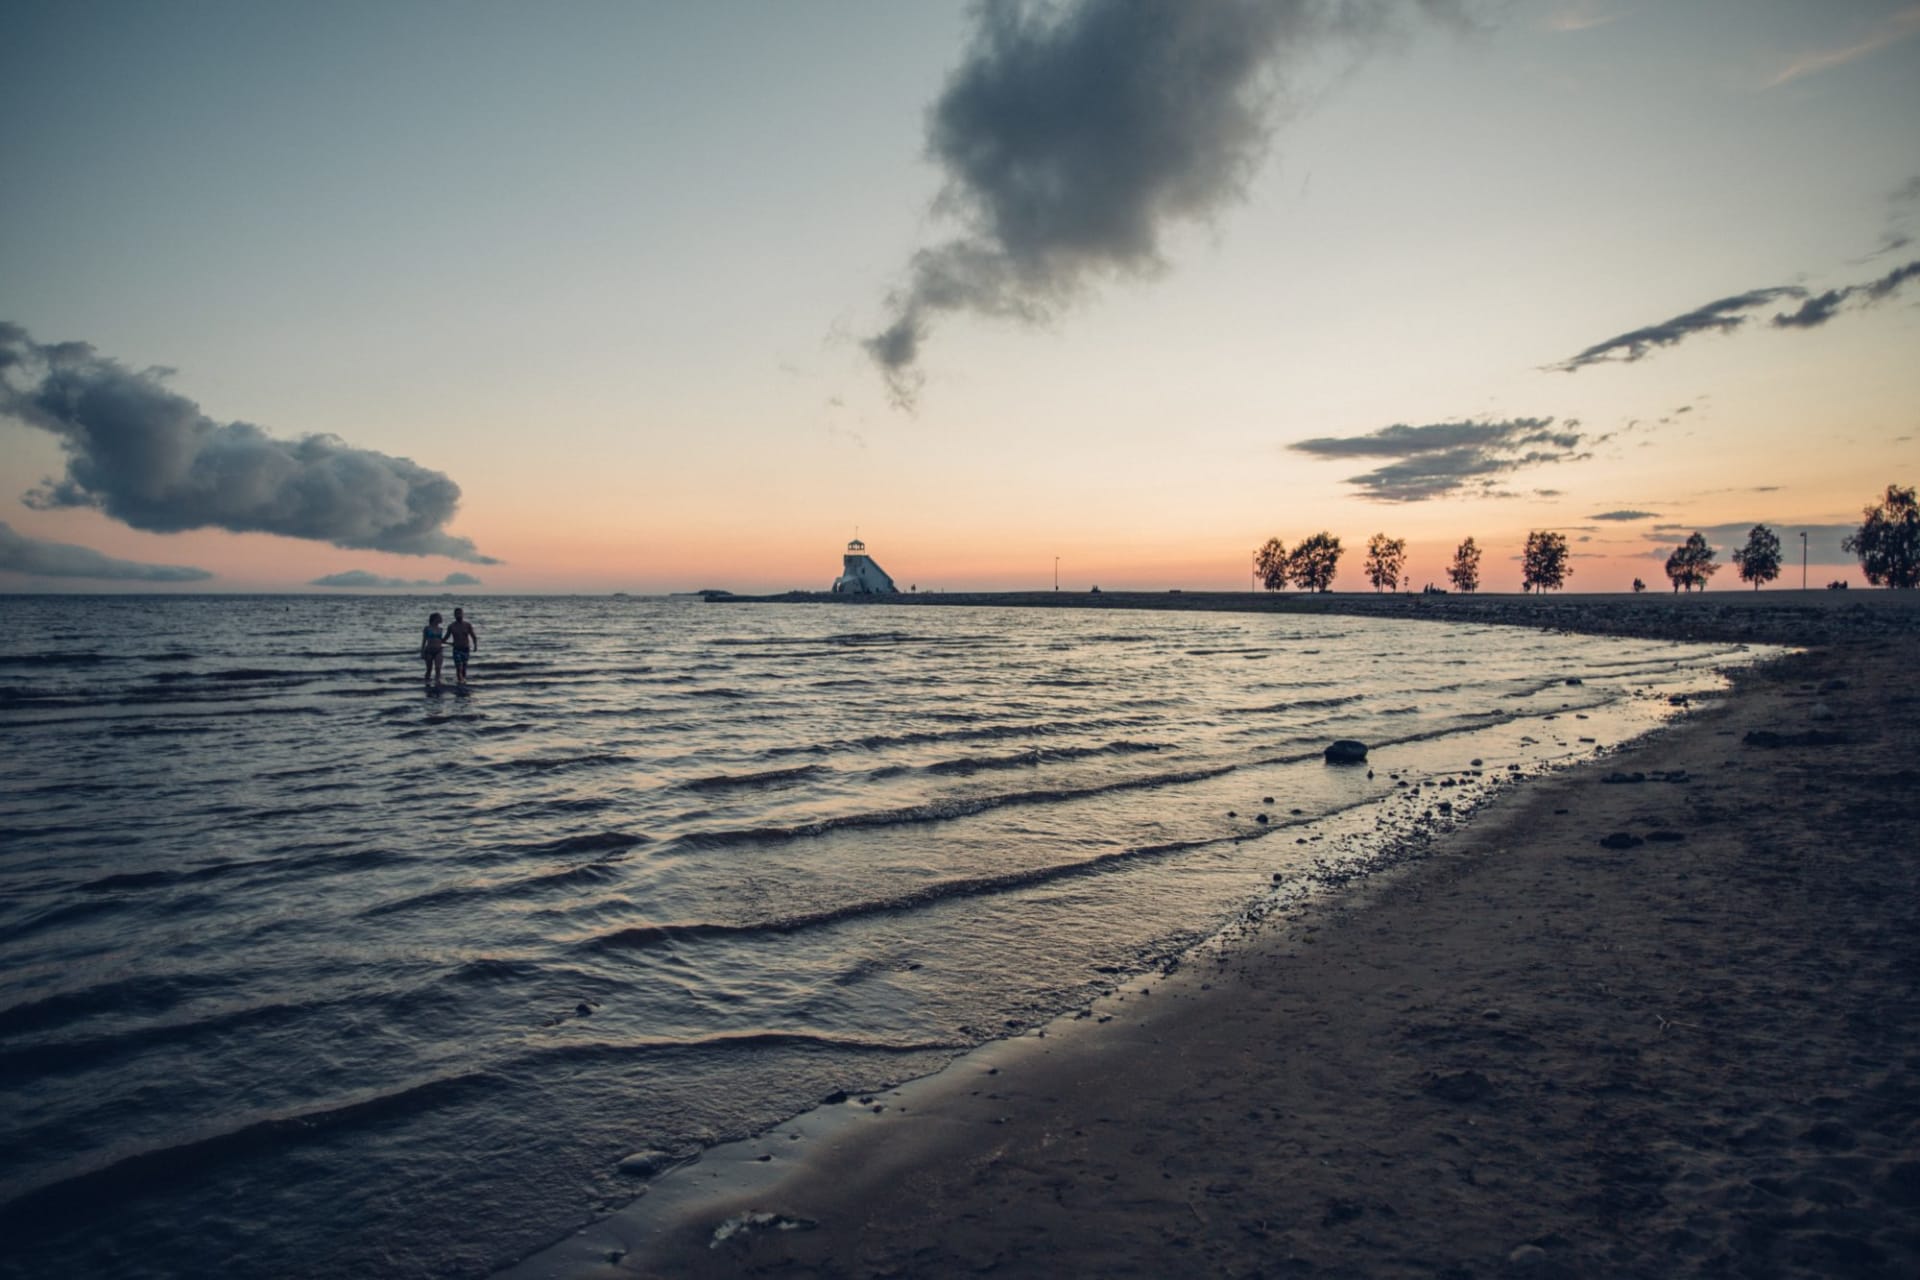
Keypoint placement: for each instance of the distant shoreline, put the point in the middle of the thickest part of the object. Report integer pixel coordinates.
(1778, 616)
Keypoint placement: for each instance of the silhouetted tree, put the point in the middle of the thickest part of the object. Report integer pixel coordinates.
(1312, 564)
(1465, 569)
(1888, 543)
(1638, 586)
(1386, 557)
(1691, 563)
(1543, 566)
(1271, 565)
(1759, 560)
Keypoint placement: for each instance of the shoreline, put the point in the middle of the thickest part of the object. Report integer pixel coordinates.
(1345, 1022)
(1780, 616)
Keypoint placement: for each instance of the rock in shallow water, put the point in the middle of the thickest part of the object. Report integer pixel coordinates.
(1347, 751)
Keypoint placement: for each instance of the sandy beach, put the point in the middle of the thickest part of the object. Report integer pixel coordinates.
(1654, 1015)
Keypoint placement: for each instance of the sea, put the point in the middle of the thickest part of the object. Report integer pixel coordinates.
(309, 968)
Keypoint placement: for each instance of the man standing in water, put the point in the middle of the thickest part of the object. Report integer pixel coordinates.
(464, 640)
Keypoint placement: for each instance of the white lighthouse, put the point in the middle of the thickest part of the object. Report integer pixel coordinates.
(860, 576)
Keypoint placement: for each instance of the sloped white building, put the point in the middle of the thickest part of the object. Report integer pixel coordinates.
(859, 574)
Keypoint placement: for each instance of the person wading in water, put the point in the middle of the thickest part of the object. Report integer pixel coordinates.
(464, 640)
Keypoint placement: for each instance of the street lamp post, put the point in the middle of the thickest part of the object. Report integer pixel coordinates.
(1803, 559)
(1056, 573)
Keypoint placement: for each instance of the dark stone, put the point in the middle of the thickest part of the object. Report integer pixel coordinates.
(1575, 680)
(834, 1099)
(1617, 778)
(1621, 840)
(583, 1011)
(1260, 818)
(1347, 751)
(644, 1164)
(1665, 837)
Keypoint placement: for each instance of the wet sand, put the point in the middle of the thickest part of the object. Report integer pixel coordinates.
(1529, 1050)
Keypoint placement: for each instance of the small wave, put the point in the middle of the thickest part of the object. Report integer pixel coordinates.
(940, 810)
(129, 996)
(552, 764)
(588, 842)
(74, 1199)
(1301, 704)
(55, 659)
(1039, 755)
(643, 936)
(587, 873)
(600, 1050)
(764, 778)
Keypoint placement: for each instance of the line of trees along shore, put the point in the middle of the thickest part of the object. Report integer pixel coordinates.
(1887, 543)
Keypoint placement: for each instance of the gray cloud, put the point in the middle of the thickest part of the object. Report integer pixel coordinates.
(1625, 515)
(1450, 458)
(148, 457)
(41, 559)
(1722, 316)
(1822, 307)
(362, 580)
(1073, 137)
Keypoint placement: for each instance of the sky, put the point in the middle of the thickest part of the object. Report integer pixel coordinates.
(643, 297)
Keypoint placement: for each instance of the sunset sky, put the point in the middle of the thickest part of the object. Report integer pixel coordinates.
(677, 296)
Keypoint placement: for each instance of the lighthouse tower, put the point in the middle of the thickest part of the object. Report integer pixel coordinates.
(859, 575)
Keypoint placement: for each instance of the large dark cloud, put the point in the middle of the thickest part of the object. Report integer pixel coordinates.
(360, 579)
(1723, 316)
(147, 456)
(1451, 458)
(1073, 136)
(41, 559)
(1822, 307)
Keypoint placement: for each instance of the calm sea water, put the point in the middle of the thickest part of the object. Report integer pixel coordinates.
(306, 969)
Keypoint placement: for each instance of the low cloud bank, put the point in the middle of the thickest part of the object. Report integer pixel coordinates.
(148, 457)
(360, 579)
(42, 559)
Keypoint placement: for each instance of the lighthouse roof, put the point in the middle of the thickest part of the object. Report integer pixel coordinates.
(856, 545)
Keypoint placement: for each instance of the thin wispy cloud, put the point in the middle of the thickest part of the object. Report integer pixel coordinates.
(39, 558)
(1822, 307)
(148, 457)
(1731, 313)
(1073, 138)
(1722, 316)
(1897, 27)
(1452, 459)
(360, 579)
(1625, 515)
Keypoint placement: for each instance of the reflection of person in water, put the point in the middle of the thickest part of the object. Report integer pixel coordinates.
(431, 640)
(464, 640)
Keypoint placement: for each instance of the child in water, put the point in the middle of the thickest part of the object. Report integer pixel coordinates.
(431, 640)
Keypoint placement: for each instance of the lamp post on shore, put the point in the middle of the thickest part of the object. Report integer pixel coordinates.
(1056, 573)
(1803, 559)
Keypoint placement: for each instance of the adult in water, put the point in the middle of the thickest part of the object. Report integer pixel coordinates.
(431, 640)
(464, 640)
